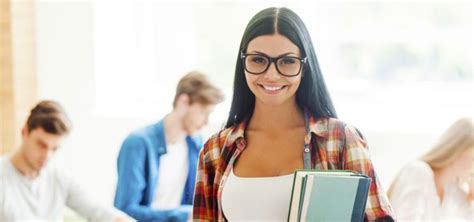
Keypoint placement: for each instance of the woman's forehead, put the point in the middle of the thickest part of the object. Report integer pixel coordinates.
(272, 45)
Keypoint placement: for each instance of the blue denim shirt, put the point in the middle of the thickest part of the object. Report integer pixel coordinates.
(138, 168)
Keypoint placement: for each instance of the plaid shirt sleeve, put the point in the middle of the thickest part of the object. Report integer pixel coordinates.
(357, 158)
(205, 195)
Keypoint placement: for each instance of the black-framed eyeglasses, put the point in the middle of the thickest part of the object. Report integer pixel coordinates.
(288, 66)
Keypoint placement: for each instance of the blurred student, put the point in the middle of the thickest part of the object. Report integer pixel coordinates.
(32, 189)
(434, 186)
(157, 163)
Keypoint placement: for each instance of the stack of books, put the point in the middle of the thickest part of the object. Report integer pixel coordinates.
(328, 195)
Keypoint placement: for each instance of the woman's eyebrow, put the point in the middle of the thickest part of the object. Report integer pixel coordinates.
(284, 54)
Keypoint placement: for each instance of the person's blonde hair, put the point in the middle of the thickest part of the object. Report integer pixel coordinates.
(458, 138)
(455, 140)
(199, 89)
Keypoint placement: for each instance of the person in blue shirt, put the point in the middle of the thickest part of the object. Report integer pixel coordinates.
(157, 163)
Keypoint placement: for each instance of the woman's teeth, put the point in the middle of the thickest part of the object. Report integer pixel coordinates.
(273, 88)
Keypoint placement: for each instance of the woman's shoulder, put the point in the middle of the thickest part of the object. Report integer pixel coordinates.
(219, 137)
(324, 126)
(417, 169)
(419, 166)
(336, 129)
(213, 145)
(330, 124)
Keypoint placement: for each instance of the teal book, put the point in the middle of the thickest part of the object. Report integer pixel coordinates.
(328, 196)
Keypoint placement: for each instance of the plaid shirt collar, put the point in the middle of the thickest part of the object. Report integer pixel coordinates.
(318, 126)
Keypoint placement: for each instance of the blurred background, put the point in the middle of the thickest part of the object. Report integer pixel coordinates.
(400, 71)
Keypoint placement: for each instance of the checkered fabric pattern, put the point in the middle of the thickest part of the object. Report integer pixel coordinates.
(334, 145)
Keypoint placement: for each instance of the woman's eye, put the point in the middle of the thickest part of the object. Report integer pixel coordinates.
(287, 61)
(258, 60)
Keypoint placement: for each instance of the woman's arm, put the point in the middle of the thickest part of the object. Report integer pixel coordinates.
(202, 210)
(205, 194)
(357, 158)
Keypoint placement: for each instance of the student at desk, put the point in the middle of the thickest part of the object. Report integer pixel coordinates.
(31, 189)
(440, 184)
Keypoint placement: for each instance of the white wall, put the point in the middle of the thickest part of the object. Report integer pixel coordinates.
(66, 73)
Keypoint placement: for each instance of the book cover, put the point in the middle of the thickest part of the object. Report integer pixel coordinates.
(328, 196)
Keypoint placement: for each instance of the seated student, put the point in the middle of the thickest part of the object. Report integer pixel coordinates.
(157, 163)
(431, 188)
(32, 189)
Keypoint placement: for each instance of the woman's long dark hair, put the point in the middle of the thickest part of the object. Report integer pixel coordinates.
(312, 93)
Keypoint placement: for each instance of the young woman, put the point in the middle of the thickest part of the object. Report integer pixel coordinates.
(440, 175)
(281, 119)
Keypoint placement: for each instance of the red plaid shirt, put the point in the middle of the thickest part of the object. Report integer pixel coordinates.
(340, 147)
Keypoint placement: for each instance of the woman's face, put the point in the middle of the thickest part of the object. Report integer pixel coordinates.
(464, 165)
(271, 87)
(463, 169)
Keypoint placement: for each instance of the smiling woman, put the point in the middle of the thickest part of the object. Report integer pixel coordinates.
(280, 79)
(281, 119)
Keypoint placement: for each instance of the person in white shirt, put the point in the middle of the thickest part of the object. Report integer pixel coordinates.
(440, 185)
(157, 163)
(33, 190)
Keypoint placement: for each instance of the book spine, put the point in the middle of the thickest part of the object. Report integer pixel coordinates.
(358, 211)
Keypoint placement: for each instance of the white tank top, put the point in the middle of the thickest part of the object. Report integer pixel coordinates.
(256, 198)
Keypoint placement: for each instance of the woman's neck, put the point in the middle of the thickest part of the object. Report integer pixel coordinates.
(443, 177)
(271, 117)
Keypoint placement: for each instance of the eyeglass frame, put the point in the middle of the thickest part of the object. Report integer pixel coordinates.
(272, 60)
